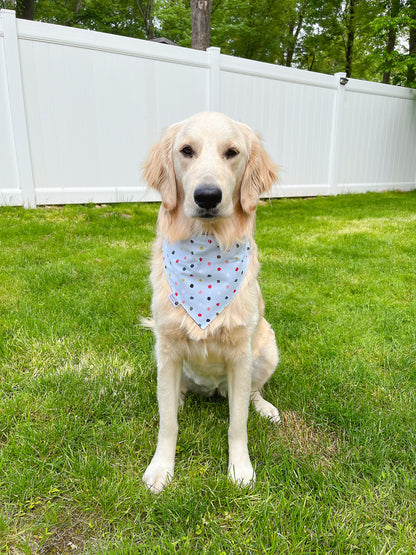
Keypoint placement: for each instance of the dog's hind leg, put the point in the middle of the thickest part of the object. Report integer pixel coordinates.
(264, 364)
(264, 408)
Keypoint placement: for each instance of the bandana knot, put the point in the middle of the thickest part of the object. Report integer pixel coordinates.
(203, 277)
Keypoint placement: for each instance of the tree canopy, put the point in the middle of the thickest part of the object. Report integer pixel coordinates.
(368, 39)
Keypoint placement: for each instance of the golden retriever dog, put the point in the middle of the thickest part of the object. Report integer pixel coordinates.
(211, 336)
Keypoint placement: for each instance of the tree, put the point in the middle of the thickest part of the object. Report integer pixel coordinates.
(146, 11)
(350, 23)
(294, 27)
(201, 23)
(75, 12)
(369, 39)
(394, 10)
(25, 9)
(255, 29)
(411, 65)
(391, 29)
(173, 21)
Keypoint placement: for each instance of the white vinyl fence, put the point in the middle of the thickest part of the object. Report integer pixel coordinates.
(79, 111)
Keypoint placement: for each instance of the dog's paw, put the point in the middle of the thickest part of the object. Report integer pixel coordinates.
(157, 477)
(242, 475)
(267, 410)
(270, 412)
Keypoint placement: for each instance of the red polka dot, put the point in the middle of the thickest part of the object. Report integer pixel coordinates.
(219, 269)
(209, 286)
(236, 269)
(200, 315)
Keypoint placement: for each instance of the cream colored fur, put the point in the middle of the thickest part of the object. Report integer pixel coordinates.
(236, 353)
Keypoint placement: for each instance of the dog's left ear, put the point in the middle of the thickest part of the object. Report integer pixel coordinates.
(259, 175)
(158, 168)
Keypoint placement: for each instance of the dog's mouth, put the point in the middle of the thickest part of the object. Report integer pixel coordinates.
(207, 214)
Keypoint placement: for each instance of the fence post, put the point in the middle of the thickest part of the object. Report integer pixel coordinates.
(17, 108)
(336, 127)
(214, 101)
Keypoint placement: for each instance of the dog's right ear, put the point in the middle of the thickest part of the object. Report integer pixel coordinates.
(158, 168)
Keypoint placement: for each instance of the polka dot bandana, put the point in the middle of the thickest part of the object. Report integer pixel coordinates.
(203, 277)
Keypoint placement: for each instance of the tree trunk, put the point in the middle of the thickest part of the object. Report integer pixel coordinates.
(25, 9)
(146, 11)
(350, 37)
(71, 20)
(411, 67)
(391, 41)
(201, 21)
(293, 38)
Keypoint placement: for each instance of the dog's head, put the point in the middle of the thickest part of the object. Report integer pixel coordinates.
(210, 163)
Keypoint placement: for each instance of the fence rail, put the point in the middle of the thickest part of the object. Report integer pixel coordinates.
(80, 109)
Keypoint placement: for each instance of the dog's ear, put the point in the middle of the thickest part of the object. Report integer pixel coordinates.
(158, 168)
(259, 175)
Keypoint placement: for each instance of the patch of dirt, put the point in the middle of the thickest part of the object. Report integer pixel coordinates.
(63, 541)
(306, 440)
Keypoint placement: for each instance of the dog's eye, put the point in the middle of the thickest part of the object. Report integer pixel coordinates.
(231, 153)
(187, 151)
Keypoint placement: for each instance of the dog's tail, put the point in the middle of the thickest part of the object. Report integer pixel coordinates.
(147, 323)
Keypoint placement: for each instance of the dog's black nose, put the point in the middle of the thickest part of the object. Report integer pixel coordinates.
(207, 196)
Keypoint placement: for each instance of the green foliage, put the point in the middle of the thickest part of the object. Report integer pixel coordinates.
(249, 29)
(174, 21)
(309, 34)
(78, 418)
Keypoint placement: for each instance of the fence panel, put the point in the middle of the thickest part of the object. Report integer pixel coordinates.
(294, 112)
(79, 111)
(93, 111)
(9, 182)
(378, 138)
(21, 160)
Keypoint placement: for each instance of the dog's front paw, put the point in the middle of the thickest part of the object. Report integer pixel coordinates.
(157, 476)
(242, 475)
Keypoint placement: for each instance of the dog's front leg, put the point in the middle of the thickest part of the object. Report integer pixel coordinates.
(240, 469)
(160, 470)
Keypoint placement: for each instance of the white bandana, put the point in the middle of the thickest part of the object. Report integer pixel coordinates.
(203, 277)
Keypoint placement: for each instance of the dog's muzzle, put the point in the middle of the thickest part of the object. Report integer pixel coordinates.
(207, 198)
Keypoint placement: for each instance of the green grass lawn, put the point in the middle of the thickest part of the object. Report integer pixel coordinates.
(78, 412)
